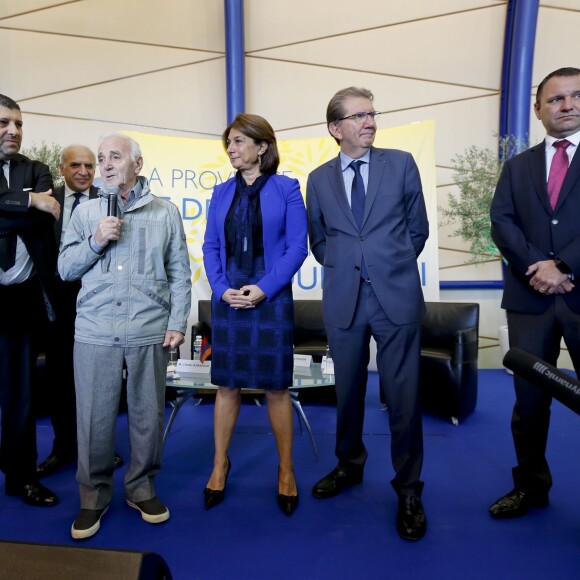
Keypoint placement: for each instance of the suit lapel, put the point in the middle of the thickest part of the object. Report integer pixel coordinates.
(337, 185)
(376, 168)
(537, 165)
(59, 195)
(17, 173)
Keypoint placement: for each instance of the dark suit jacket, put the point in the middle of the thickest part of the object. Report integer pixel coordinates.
(393, 234)
(527, 230)
(33, 226)
(66, 291)
(58, 194)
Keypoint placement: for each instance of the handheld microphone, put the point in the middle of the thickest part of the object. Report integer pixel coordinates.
(558, 384)
(112, 194)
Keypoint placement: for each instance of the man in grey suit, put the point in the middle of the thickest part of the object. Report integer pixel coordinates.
(367, 226)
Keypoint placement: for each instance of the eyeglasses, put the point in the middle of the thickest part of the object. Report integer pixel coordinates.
(360, 117)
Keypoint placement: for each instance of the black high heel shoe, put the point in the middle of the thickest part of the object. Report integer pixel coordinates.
(213, 497)
(287, 503)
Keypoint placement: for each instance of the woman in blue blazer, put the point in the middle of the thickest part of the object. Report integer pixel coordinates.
(255, 241)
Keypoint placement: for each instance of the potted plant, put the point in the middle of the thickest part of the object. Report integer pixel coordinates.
(476, 172)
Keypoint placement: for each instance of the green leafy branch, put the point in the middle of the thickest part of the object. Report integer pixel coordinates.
(476, 173)
(48, 154)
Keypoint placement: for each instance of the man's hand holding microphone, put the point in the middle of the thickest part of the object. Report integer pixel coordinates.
(109, 229)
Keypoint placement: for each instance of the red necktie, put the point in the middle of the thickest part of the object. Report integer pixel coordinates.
(558, 171)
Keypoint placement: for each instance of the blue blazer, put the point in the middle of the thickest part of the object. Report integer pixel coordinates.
(393, 234)
(526, 229)
(285, 230)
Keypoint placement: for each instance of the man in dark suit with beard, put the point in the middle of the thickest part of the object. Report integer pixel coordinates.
(27, 266)
(77, 166)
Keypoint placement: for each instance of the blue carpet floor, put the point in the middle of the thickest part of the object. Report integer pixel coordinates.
(352, 535)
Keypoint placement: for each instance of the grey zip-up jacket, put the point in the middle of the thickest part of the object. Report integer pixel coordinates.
(139, 286)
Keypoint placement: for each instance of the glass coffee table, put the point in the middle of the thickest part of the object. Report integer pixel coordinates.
(189, 385)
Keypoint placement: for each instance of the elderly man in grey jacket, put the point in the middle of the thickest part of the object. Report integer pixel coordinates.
(133, 305)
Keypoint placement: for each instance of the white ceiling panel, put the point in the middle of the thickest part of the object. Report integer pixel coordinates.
(193, 24)
(459, 53)
(305, 20)
(14, 7)
(176, 99)
(391, 93)
(560, 4)
(67, 63)
(548, 54)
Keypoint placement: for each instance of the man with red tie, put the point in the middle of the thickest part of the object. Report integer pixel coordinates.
(534, 216)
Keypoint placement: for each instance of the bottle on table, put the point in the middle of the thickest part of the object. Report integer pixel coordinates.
(328, 363)
(197, 347)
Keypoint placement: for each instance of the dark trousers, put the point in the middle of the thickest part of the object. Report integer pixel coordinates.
(60, 369)
(540, 335)
(22, 323)
(398, 353)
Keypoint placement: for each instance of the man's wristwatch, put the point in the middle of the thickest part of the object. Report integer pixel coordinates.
(564, 268)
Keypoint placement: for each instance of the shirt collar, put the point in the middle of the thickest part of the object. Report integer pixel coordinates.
(135, 194)
(68, 191)
(574, 139)
(345, 160)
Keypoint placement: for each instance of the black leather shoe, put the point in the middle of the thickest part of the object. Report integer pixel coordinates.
(337, 480)
(118, 461)
(516, 504)
(213, 497)
(411, 520)
(287, 503)
(53, 463)
(33, 493)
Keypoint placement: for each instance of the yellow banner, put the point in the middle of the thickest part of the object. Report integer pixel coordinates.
(186, 171)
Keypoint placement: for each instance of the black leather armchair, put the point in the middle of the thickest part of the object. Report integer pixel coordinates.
(449, 359)
(309, 330)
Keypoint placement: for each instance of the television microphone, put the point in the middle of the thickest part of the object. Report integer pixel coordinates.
(112, 194)
(558, 384)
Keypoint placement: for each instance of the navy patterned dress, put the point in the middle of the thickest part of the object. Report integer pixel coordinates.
(252, 348)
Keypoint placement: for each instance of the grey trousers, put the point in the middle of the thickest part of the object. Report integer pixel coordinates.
(98, 384)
